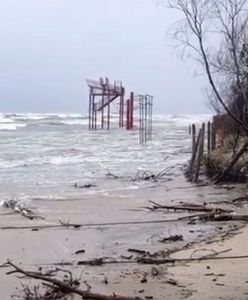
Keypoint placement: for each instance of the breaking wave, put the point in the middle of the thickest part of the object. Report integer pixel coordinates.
(11, 126)
(14, 121)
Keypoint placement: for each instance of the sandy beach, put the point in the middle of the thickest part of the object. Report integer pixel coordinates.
(36, 243)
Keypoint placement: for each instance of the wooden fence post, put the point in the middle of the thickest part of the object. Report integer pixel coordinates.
(209, 138)
(200, 153)
(193, 137)
(213, 137)
(194, 153)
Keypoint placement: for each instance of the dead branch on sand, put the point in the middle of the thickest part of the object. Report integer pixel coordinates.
(18, 207)
(84, 186)
(67, 287)
(189, 207)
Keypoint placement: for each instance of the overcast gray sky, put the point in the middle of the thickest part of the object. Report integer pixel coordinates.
(49, 47)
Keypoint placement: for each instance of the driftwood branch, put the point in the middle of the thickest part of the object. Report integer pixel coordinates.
(188, 207)
(68, 288)
(20, 208)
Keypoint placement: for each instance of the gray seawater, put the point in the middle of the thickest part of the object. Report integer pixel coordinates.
(44, 155)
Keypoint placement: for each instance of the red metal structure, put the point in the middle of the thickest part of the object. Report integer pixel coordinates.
(102, 95)
(130, 112)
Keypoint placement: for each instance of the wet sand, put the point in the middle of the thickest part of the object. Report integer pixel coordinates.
(45, 247)
(217, 279)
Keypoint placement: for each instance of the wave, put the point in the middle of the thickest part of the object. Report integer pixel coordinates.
(44, 119)
(11, 126)
(181, 119)
(37, 116)
(38, 161)
(13, 121)
(75, 122)
(5, 120)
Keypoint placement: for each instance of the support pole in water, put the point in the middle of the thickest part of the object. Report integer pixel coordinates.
(90, 109)
(128, 115)
(131, 110)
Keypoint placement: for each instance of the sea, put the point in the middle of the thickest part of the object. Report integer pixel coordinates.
(45, 155)
(68, 188)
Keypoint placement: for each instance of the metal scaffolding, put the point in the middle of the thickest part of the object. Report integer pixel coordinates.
(101, 94)
(145, 118)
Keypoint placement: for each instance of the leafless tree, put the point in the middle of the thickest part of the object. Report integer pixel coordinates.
(214, 32)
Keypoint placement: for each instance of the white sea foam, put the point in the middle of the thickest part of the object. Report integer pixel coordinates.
(11, 126)
(5, 119)
(75, 122)
(63, 160)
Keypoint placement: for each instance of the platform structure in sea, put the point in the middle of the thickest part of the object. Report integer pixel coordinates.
(104, 96)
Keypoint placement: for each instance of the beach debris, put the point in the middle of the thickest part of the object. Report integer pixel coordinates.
(224, 217)
(144, 278)
(211, 254)
(209, 274)
(92, 262)
(215, 215)
(144, 175)
(172, 281)
(111, 175)
(240, 199)
(64, 287)
(105, 280)
(20, 208)
(172, 238)
(143, 254)
(80, 251)
(68, 224)
(188, 207)
(127, 257)
(85, 186)
(138, 251)
(154, 271)
(149, 175)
